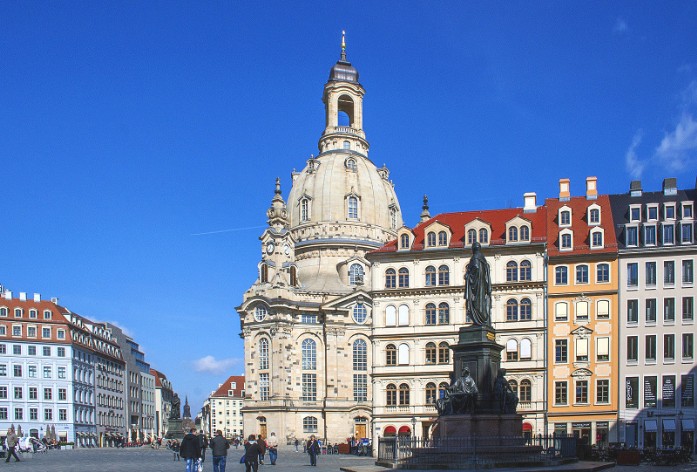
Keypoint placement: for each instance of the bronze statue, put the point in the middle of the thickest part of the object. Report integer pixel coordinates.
(478, 288)
(460, 397)
(505, 397)
(176, 408)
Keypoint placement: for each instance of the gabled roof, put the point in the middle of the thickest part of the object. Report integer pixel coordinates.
(496, 219)
(579, 225)
(223, 390)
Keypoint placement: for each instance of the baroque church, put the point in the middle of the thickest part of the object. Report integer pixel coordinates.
(307, 319)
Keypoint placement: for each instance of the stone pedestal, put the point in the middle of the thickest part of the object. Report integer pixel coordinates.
(477, 350)
(480, 425)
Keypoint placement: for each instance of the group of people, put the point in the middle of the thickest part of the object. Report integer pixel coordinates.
(255, 448)
(193, 450)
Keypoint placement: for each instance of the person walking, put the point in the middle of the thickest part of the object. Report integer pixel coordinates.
(11, 445)
(297, 443)
(262, 448)
(272, 445)
(203, 442)
(219, 447)
(190, 450)
(251, 454)
(313, 450)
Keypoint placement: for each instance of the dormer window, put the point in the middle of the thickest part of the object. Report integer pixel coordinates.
(566, 240)
(512, 234)
(594, 215)
(471, 237)
(596, 239)
(635, 214)
(669, 211)
(652, 213)
(404, 241)
(687, 211)
(524, 233)
(565, 217)
(442, 238)
(686, 233)
(18, 312)
(650, 235)
(483, 236)
(631, 236)
(431, 239)
(33, 314)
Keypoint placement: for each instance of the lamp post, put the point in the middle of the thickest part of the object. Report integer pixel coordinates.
(413, 426)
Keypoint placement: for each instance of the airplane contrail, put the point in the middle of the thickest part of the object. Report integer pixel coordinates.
(230, 230)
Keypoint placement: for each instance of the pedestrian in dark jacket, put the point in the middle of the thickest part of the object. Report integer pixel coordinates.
(219, 447)
(313, 449)
(190, 450)
(203, 442)
(262, 448)
(251, 454)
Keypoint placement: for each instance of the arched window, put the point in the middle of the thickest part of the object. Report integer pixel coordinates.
(430, 276)
(390, 278)
(404, 241)
(3, 312)
(512, 310)
(391, 399)
(564, 218)
(430, 392)
(431, 355)
(309, 354)
(525, 349)
(512, 350)
(471, 236)
(582, 274)
(512, 234)
(442, 388)
(431, 239)
(514, 386)
(404, 394)
(443, 275)
(360, 355)
(391, 355)
(443, 313)
(403, 319)
(403, 354)
(390, 316)
(511, 271)
(430, 314)
(443, 353)
(403, 277)
(594, 216)
(525, 309)
(442, 238)
(350, 163)
(525, 271)
(524, 233)
(597, 239)
(566, 241)
(525, 391)
(263, 354)
(360, 313)
(356, 274)
(309, 424)
(352, 207)
(484, 236)
(393, 218)
(304, 209)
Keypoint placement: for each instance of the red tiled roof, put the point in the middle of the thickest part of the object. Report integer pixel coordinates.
(227, 385)
(579, 225)
(158, 375)
(497, 219)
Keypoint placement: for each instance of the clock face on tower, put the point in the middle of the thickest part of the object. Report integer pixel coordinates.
(269, 248)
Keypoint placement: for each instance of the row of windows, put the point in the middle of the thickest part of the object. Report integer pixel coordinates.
(19, 312)
(592, 216)
(668, 392)
(309, 354)
(582, 393)
(669, 310)
(566, 239)
(34, 414)
(651, 274)
(32, 350)
(31, 331)
(32, 371)
(649, 234)
(650, 212)
(401, 395)
(352, 206)
(582, 310)
(561, 350)
(669, 347)
(602, 274)
(441, 276)
(33, 393)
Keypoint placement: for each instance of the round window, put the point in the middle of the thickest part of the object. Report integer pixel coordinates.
(360, 313)
(260, 313)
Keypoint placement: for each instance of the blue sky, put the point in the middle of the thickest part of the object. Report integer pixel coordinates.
(140, 141)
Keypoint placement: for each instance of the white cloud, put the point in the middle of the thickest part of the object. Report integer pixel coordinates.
(689, 95)
(634, 165)
(621, 26)
(679, 146)
(214, 366)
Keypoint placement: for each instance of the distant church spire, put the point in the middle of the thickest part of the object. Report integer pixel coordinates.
(425, 214)
(277, 212)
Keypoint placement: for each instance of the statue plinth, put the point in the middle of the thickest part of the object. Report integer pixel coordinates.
(478, 351)
(484, 425)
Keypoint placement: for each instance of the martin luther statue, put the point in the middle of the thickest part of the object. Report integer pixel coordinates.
(478, 288)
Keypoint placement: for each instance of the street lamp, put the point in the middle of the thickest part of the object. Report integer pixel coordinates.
(413, 426)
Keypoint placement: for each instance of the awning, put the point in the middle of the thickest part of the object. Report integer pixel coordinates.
(404, 430)
(390, 430)
(527, 427)
(669, 425)
(650, 426)
(688, 425)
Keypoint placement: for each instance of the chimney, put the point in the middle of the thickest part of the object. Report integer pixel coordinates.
(670, 186)
(635, 188)
(8, 294)
(591, 188)
(564, 191)
(37, 297)
(54, 300)
(530, 200)
(22, 296)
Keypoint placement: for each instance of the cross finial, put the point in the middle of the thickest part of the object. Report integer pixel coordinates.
(343, 45)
